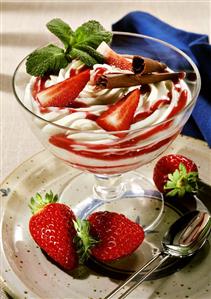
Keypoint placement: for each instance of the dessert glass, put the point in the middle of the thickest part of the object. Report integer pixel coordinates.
(109, 167)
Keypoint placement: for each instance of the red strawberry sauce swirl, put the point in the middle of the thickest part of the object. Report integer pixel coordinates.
(68, 144)
(136, 144)
(122, 149)
(38, 86)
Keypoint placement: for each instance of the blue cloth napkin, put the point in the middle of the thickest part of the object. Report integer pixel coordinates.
(194, 45)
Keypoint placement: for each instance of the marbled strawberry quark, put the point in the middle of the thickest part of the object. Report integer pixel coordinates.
(84, 144)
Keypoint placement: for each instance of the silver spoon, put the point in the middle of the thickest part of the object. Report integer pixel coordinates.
(184, 237)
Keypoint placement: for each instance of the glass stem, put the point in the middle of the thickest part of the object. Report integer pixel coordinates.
(108, 187)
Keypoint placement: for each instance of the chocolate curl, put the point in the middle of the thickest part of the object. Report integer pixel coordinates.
(143, 65)
(115, 80)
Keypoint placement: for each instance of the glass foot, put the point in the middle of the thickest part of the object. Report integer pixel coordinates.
(137, 198)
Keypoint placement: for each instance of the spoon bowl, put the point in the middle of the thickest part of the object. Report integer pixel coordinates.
(187, 235)
(184, 238)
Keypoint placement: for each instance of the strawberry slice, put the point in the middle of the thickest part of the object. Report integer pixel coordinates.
(112, 58)
(119, 116)
(65, 92)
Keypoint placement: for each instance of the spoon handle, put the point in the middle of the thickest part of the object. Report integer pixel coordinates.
(138, 282)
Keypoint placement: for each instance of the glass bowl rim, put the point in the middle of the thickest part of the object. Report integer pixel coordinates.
(194, 97)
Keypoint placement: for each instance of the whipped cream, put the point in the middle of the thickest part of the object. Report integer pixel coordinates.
(76, 138)
(98, 101)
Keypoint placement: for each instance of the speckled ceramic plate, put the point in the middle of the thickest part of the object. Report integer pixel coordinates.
(29, 274)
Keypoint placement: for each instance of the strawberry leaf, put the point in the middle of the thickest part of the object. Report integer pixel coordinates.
(170, 185)
(47, 60)
(62, 30)
(181, 182)
(83, 240)
(170, 177)
(182, 169)
(38, 202)
(173, 192)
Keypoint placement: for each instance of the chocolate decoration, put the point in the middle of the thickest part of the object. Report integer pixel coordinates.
(118, 80)
(143, 65)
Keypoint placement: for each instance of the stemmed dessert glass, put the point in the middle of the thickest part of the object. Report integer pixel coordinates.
(109, 167)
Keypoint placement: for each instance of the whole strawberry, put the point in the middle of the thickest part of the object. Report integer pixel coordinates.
(176, 175)
(118, 236)
(51, 226)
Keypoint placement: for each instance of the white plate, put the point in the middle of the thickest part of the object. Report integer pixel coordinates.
(28, 274)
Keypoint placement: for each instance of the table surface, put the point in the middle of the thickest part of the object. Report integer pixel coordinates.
(23, 30)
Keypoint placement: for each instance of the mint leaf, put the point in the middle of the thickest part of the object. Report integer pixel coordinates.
(47, 60)
(92, 34)
(62, 30)
(83, 56)
(92, 52)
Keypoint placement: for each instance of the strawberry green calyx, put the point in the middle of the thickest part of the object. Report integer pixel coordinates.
(83, 239)
(37, 203)
(181, 181)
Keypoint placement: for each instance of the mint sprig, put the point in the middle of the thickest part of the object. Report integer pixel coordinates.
(80, 44)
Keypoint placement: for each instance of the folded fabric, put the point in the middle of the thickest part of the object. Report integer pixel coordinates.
(195, 46)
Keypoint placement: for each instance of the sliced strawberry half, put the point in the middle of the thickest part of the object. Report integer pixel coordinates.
(112, 58)
(119, 116)
(64, 93)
